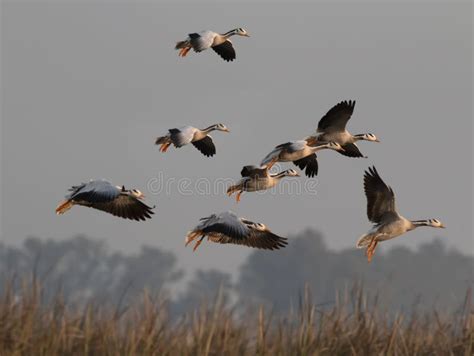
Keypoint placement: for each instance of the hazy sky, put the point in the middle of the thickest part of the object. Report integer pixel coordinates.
(86, 88)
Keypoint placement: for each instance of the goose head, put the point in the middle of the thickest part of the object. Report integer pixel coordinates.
(435, 223)
(137, 194)
(222, 127)
(241, 32)
(291, 173)
(370, 137)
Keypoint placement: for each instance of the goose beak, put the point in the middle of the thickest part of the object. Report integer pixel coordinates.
(377, 140)
(442, 226)
(226, 130)
(247, 35)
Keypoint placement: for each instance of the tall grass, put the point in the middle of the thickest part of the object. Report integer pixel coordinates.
(352, 326)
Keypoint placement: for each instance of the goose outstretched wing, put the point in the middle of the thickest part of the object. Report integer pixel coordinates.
(227, 228)
(206, 146)
(337, 117)
(225, 50)
(126, 206)
(102, 195)
(95, 191)
(380, 197)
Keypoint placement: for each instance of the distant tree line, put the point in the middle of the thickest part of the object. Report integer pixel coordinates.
(83, 269)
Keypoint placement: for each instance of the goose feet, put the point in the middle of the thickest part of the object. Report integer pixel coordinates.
(198, 242)
(237, 197)
(193, 236)
(371, 249)
(184, 51)
(164, 147)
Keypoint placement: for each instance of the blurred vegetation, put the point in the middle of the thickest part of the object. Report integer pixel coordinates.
(83, 269)
(76, 297)
(352, 326)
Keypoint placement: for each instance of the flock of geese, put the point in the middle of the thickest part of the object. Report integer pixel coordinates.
(226, 227)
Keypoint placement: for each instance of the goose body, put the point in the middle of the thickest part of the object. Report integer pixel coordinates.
(200, 139)
(300, 153)
(102, 195)
(258, 178)
(228, 228)
(332, 128)
(381, 210)
(203, 40)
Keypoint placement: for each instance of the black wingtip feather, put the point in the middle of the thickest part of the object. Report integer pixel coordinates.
(310, 164)
(205, 146)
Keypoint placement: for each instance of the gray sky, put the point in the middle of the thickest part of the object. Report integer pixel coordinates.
(87, 87)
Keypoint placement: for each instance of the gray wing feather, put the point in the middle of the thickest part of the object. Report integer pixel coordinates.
(228, 228)
(290, 147)
(182, 136)
(293, 146)
(271, 156)
(203, 41)
(226, 223)
(95, 191)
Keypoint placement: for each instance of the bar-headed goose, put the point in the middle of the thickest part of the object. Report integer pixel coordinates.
(115, 200)
(332, 127)
(203, 40)
(382, 212)
(228, 228)
(300, 153)
(258, 178)
(188, 134)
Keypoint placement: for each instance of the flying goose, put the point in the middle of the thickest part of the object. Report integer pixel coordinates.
(203, 40)
(115, 200)
(188, 134)
(228, 228)
(300, 153)
(332, 127)
(258, 178)
(382, 212)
